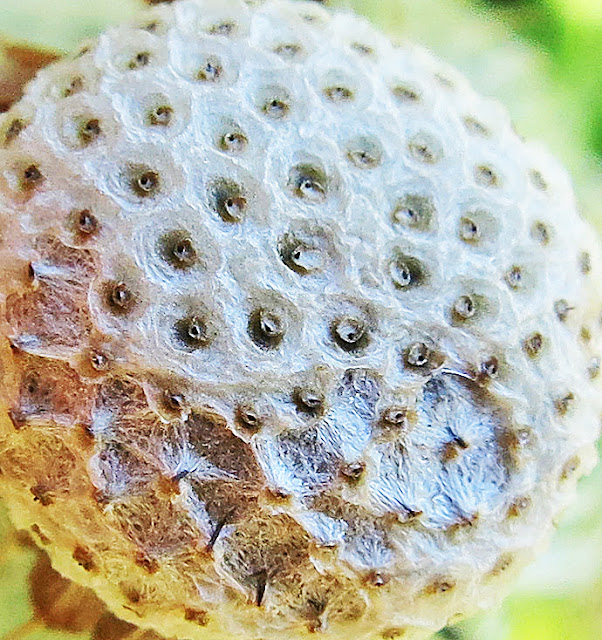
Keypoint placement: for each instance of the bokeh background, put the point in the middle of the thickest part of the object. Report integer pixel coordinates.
(543, 60)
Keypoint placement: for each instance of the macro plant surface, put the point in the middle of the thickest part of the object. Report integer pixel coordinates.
(319, 404)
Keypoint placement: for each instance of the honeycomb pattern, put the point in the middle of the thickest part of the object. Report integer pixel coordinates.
(299, 336)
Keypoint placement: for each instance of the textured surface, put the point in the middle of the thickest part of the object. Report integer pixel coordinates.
(296, 320)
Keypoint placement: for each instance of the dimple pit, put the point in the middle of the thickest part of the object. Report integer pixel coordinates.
(537, 180)
(288, 51)
(309, 183)
(266, 328)
(178, 250)
(75, 85)
(160, 116)
(425, 148)
(89, 131)
(309, 400)
(227, 200)
(541, 233)
(274, 102)
(119, 298)
(406, 272)
(486, 176)
(224, 28)
(140, 60)
(210, 70)
(338, 93)
(14, 130)
(301, 256)
(406, 93)
(232, 141)
(533, 344)
(30, 177)
(475, 127)
(144, 181)
(350, 333)
(414, 211)
(84, 223)
(192, 332)
(365, 152)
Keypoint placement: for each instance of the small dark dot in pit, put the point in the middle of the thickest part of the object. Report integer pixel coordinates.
(422, 151)
(42, 494)
(228, 200)
(300, 257)
(475, 127)
(570, 467)
(486, 177)
(362, 49)
(85, 222)
(90, 131)
(288, 51)
(14, 130)
(75, 86)
(464, 308)
(405, 93)
(406, 272)
(519, 506)
(585, 262)
(32, 383)
(99, 361)
(233, 142)
(514, 277)
(266, 328)
(439, 587)
(276, 109)
(120, 298)
(248, 418)
(541, 233)
(565, 404)
(31, 177)
(309, 183)
(395, 417)
(490, 367)
(84, 558)
(160, 116)
(173, 401)
(353, 471)
(418, 354)
(414, 211)
(145, 183)
(178, 250)
(533, 344)
(141, 59)
(350, 334)
(364, 154)
(223, 29)
(562, 309)
(469, 230)
(338, 94)
(593, 369)
(309, 401)
(192, 332)
(211, 71)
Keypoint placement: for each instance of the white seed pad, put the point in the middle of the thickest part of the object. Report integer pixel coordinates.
(298, 335)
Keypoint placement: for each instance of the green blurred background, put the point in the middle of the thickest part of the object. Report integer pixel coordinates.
(543, 59)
